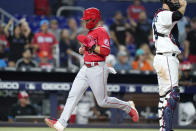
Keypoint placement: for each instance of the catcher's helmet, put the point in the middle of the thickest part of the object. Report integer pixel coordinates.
(93, 15)
(172, 5)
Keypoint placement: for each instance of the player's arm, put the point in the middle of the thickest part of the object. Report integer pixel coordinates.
(101, 50)
(183, 5)
(177, 15)
(90, 43)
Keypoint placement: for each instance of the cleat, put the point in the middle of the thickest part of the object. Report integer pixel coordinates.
(133, 112)
(54, 124)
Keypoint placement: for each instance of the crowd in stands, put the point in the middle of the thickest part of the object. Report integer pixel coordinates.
(51, 46)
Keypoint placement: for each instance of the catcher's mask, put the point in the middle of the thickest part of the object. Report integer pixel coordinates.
(93, 15)
(172, 5)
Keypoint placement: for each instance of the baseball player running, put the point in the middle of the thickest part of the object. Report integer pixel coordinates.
(94, 73)
(165, 35)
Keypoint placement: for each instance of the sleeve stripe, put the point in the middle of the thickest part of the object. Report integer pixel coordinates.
(105, 46)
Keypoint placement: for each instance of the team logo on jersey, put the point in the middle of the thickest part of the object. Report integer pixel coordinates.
(106, 42)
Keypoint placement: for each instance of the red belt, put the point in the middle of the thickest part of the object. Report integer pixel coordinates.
(91, 65)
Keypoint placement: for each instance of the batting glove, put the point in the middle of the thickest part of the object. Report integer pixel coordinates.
(87, 41)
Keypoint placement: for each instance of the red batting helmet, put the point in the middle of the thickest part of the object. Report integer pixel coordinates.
(93, 15)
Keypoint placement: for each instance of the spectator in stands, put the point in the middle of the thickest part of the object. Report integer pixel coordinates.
(143, 29)
(44, 60)
(135, 9)
(26, 31)
(102, 23)
(186, 78)
(67, 54)
(182, 27)
(187, 105)
(140, 62)
(130, 44)
(190, 46)
(118, 29)
(122, 61)
(73, 30)
(3, 45)
(44, 40)
(54, 28)
(22, 108)
(3, 56)
(82, 29)
(3, 39)
(17, 43)
(148, 54)
(26, 62)
(64, 45)
(41, 7)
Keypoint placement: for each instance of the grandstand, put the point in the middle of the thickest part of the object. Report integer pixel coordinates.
(47, 75)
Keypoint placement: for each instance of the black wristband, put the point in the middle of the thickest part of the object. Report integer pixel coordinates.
(93, 47)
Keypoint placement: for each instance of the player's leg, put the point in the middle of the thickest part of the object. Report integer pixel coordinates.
(170, 104)
(167, 71)
(78, 88)
(160, 112)
(159, 67)
(173, 97)
(97, 77)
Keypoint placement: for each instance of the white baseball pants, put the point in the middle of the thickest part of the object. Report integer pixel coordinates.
(166, 67)
(96, 78)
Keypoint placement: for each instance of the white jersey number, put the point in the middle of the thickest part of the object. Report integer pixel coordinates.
(154, 27)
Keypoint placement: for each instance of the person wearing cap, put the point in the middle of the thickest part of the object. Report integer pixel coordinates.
(94, 73)
(140, 62)
(22, 107)
(44, 40)
(122, 61)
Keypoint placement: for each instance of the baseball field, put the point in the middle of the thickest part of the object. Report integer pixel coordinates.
(81, 129)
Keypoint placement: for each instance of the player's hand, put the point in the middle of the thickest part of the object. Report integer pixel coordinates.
(87, 41)
(82, 50)
(183, 2)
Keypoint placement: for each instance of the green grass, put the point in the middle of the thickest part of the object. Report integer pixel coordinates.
(79, 129)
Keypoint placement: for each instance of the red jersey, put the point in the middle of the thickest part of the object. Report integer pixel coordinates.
(135, 10)
(102, 40)
(45, 42)
(4, 41)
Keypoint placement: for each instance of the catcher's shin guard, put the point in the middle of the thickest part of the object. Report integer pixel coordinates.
(160, 112)
(170, 104)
